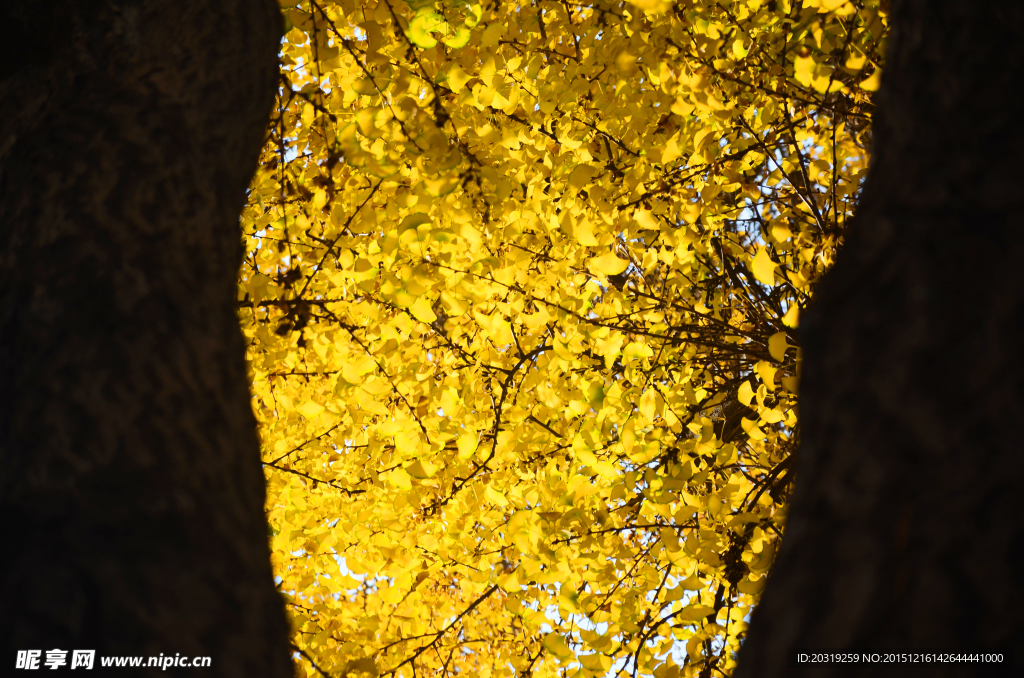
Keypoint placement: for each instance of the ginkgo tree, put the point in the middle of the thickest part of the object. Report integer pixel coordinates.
(521, 287)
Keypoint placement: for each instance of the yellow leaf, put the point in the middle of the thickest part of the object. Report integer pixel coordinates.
(777, 346)
(501, 332)
(348, 583)
(764, 558)
(781, 232)
(695, 613)
(751, 429)
(803, 70)
(554, 644)
(374, 35)
(581, 175)
(457, 78)
(583, 231)
(440, 187)
(423, 23)
(310, 409)
(351, 375)
(606, 470)
(625, 62)
(607, 264)
(421, 468)
(680, 106)
(510, 583)
(745, 394)
(495, 497)
(703, 138)
(308, 113)
(872, 83)
(583, 451)
(767, 372)
(636, 349)
(452, 305)
(399, 479)
(752, 587)
(595, 662)
(792, 317)
(415, 222)
(467, 444)
(647, 404)
(856, 60)
(740, 48)
(671, 151)
(420, 309)
(492, 34)
(646, 220)
(763, 267)
(460, 38)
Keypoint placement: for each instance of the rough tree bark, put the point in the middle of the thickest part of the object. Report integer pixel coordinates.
(906, 529)
(130, 484)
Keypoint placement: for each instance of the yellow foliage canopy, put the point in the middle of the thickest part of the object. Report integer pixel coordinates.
(520, 289)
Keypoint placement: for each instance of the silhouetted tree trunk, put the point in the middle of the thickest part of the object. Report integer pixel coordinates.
(131, 490)
(906, 528)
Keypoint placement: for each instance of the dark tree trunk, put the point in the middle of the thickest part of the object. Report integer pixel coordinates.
(130, 485)
(906, 528)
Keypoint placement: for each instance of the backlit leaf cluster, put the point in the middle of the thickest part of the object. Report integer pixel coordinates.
(521, 289)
